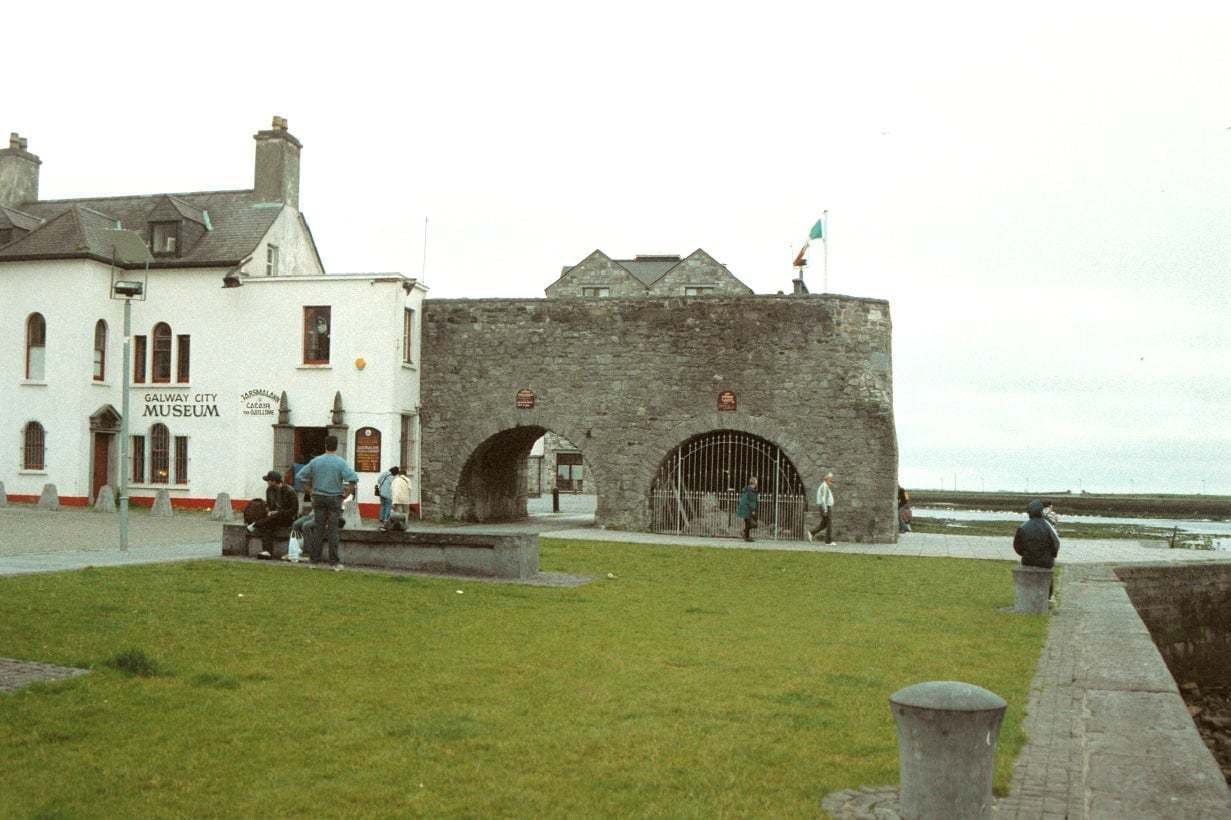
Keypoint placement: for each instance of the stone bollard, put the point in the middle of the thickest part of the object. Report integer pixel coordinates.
(350, 513)
(4, 499)
(105, 503)
(162, 504)
(222, 510)
(947, 733)
(1031, 589)
(50, 499)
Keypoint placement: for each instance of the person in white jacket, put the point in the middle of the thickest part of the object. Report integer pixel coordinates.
(402, 497)
(824, 500)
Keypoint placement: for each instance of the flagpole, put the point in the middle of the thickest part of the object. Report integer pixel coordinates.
(825, 247)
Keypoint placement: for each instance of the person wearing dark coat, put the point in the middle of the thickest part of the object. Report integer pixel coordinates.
(746, 508)
(282, 506)
(1036, 541)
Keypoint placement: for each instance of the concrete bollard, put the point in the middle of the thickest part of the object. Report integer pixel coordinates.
(1031, 589)
(350, 513)
(50, 499)
(4, 499)
(105, 503)
(222, 510)
(947, 733)
(162, 504)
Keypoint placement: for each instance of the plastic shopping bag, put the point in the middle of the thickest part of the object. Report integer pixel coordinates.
(294, 547)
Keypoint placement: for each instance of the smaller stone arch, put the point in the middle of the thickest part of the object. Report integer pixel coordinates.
(492, 485)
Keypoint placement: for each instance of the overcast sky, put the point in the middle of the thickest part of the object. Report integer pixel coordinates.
(1043, 195)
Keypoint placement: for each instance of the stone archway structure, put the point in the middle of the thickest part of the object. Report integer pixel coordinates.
(627, 380)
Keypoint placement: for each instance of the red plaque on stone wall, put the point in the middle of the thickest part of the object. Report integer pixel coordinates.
(726, 400)
(524, 399)
(367, 450)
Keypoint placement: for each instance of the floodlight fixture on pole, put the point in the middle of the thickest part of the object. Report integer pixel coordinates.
(127, 249)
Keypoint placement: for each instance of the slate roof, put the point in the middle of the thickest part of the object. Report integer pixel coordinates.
(238, 219)
(10, 218)
(648, 269)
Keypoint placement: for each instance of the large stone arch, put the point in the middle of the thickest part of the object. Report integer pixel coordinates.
(626, 380)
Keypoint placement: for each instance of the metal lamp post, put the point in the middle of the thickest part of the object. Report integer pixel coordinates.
(127, 248)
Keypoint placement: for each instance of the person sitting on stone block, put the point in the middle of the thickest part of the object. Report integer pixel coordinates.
(282, 506)
(1036, 540)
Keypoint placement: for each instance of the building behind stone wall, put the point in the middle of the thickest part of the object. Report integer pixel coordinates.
(600, 276)
(628, 380)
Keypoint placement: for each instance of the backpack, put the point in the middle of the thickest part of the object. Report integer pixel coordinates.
(255, 510)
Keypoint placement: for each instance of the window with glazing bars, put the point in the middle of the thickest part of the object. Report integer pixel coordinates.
(160, 456)
(182, 348)
(34, 449)
(138, 459)
(181, 459)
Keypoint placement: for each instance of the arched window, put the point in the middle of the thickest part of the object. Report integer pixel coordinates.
(161, 370)
(100, 350)
(36, 347)
(160, 457)
(33, 447)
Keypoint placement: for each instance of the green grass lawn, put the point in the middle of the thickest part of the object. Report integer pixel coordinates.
(698, 682)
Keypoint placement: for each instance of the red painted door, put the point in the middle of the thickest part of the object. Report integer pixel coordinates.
(102, 445)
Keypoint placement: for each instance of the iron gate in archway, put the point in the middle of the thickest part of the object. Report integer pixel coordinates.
(697, 487)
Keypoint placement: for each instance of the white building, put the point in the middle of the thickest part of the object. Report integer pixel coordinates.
(245, 353)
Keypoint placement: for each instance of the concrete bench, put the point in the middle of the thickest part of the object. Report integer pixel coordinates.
(469, 552)
(1031, 589)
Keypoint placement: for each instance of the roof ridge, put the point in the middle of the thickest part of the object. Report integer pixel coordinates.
(70, 200)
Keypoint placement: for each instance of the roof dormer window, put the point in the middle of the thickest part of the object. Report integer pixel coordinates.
(165, 238)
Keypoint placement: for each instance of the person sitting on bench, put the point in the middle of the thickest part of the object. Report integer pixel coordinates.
(282, 505)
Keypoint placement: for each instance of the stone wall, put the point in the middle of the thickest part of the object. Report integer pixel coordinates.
(596, 270)
(627, 380)
(1188, 612)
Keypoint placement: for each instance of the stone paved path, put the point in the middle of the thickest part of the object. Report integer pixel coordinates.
(15, 674)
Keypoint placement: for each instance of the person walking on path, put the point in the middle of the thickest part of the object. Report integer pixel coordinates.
(904, 511)
(281, 505)
(1036, 541)
(746, 508)
(384, 490)
(824, 500)
(330, 480)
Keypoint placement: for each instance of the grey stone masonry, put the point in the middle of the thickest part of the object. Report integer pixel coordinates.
(627, 380)
(50, 499)
(222, 510)
(105, 503)
(162, 504)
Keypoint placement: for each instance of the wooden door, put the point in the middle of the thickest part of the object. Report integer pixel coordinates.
(102, 448)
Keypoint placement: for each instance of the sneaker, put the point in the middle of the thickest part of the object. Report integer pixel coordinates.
(831, 543)
(251, 528)
(337, 567)
(809, 534)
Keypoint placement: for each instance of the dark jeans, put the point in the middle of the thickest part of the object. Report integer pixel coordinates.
(326, 510)
(826, 525)
(749, 523)
(268, 524)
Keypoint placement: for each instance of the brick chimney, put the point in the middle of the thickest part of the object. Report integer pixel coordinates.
(277, 165)
(18, 173)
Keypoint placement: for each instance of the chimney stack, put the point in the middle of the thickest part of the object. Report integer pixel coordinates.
(277, 165)
(18, 173)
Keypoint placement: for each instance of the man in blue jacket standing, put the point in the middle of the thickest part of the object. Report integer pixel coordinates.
(330, 480)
